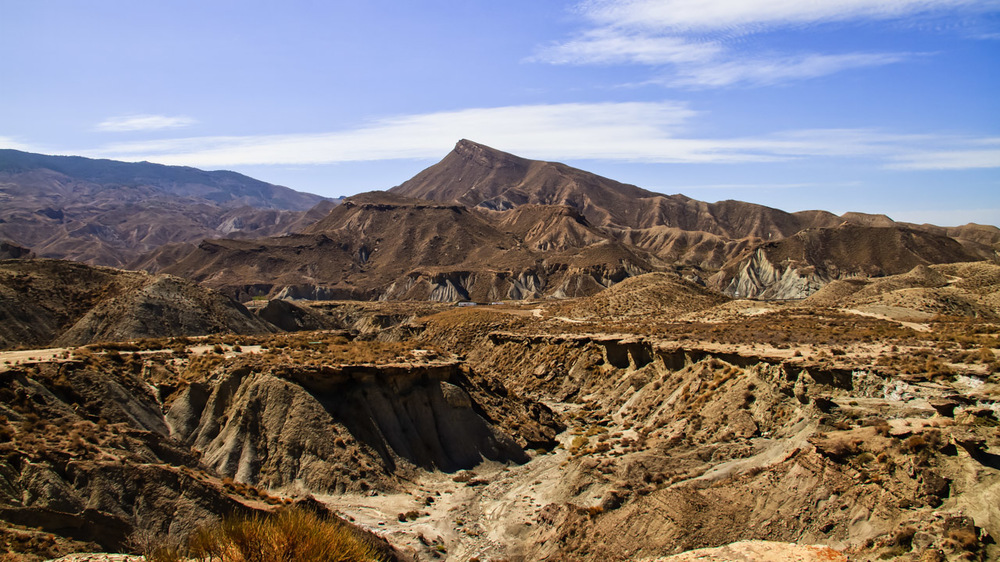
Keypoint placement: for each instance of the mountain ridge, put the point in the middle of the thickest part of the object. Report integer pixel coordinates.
(481, 224)
(106, 212)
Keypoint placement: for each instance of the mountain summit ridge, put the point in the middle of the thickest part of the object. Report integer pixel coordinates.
(106, 212)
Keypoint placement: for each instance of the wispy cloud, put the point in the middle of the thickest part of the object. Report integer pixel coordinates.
(686, 37)
(975, 153)
(949, 160)
(652, 132)
(611, 46)
(130, 123)
(750, 16)
(767, 71)
(598, 130)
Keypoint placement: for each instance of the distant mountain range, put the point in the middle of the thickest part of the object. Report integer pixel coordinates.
(479, 225)
(105, 212)
(723, 235)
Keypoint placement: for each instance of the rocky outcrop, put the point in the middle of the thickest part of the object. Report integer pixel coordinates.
(52, 302)
(293, 318)
(334, 429)
(85, 455)
(797, 266)
(758, 278)
(10, 251)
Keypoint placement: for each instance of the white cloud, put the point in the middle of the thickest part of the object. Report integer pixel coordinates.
(129, 123)
(765, 71)
(607, 46)
(948, 160)
(727, 15)
(632, 131)
(760, 186)
(599, 130)
(686, 36)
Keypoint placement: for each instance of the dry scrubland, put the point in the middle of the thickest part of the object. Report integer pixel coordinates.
(647, 420)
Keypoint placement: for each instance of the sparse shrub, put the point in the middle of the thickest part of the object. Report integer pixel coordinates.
(292, 534)
(915, 443)
(965, 537)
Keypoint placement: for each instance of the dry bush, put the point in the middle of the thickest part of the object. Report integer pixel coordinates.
(964, 537)
(292, 534)
(915, 443)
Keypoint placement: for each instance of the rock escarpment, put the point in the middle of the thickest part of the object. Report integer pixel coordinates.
(94, 455)
(339, 428)
(798, 266)
(679, 447)
(54, 302)
(378, 246)
(85, 455)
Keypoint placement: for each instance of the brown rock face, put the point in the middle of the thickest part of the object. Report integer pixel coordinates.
(382, 246)
(797, 266)
(299, 429)
(51, 302)
(87, 456)
(708, 235)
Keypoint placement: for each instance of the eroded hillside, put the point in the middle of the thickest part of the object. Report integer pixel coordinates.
(644, 421)
(55, 302)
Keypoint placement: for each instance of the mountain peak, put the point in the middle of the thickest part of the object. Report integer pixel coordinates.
(486, 156)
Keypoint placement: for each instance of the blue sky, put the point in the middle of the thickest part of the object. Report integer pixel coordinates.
(845, 105)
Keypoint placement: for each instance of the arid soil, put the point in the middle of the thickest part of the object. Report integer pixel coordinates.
(638, 424)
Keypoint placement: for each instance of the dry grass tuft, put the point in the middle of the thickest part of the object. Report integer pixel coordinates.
(291, 534)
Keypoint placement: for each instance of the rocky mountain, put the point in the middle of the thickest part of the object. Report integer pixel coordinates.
(797, 266)
(680, 230)
(479, 176)
(383, 246)
(106, 212)
(480, 225)
(53, 303)
(958, 289)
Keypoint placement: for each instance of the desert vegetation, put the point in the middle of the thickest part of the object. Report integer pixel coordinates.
(290, 534)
